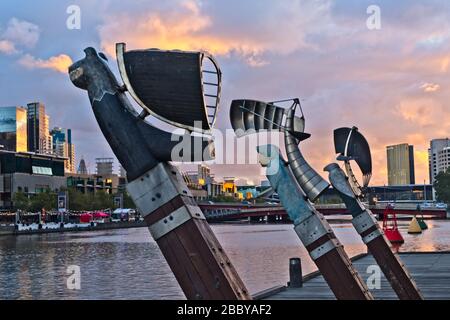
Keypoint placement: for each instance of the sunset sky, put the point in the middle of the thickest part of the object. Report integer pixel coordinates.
(393, 83)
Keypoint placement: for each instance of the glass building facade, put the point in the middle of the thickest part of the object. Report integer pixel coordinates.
(31, 164)
(63, 147)
(13, 129)
(37, 137)
(400, 164)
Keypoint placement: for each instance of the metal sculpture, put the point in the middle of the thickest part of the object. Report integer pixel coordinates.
(192, 251)
(295, 181)
(351, 145)
(313, 230)
(249, 116)
(308, 179)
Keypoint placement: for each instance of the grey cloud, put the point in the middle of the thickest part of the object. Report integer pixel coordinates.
(21, 33)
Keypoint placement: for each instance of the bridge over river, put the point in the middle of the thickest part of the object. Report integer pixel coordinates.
(222, 211)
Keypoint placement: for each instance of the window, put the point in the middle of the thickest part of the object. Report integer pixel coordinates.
(42, 170)
(41, 188)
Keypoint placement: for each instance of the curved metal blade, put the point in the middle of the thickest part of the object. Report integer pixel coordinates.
(350, 144)
(308, 179)
(172, 85)
(251, 116)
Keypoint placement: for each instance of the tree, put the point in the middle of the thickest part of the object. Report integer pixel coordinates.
(223, 198)
(128, 201)
(102, 200)
(21, 201)
(442, 186)
(46, 200)
(78, 201)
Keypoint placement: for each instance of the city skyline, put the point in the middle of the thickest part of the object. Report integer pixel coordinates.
(27, 129)
(58, 134)
(392, 82)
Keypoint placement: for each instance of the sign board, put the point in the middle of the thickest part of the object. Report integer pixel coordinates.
(62, 202)
(118, 201)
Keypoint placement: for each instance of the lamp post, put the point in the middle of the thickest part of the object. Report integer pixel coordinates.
(424, 191)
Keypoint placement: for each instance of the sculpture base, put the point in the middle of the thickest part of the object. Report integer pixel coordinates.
(378, 245)
(371, 234)
(396, 273)
(191, 249)
(331, 259)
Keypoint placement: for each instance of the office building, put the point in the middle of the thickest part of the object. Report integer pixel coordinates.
(92, 183)
(104, 166)
(63, 146)
(38, 129)
(229, 186)
(13, 129)
(47, 146)
(202, 184)
(28, 173)
(122, 172)
(207, 179)
(203, 173)
(82, 169)
(400, 164)
(438, 157)
(443, 162)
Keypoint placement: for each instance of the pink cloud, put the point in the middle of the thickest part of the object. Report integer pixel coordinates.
(7, 47)
(347, 74)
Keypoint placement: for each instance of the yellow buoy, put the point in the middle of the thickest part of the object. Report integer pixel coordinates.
(414, 226)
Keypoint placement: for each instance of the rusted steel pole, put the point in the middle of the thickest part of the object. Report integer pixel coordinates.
(193, 253)
(313, 230)
(372, 235)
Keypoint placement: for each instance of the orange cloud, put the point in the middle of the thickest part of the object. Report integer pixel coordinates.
(188, 27)
(182, 29)
(430, 87)
(416, 139)
(419, 111)
(337, 69)
(58, 63)
(445, 63)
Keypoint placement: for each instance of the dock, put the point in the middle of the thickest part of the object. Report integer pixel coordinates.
(430, 270)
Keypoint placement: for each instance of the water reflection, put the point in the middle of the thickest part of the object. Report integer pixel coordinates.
(127, 264)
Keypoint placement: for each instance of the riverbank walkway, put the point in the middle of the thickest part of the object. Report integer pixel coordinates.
(430, 270)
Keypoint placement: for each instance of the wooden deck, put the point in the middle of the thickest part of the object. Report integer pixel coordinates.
(431, 272)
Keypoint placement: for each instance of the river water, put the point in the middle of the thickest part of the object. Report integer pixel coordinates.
(127, 263)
